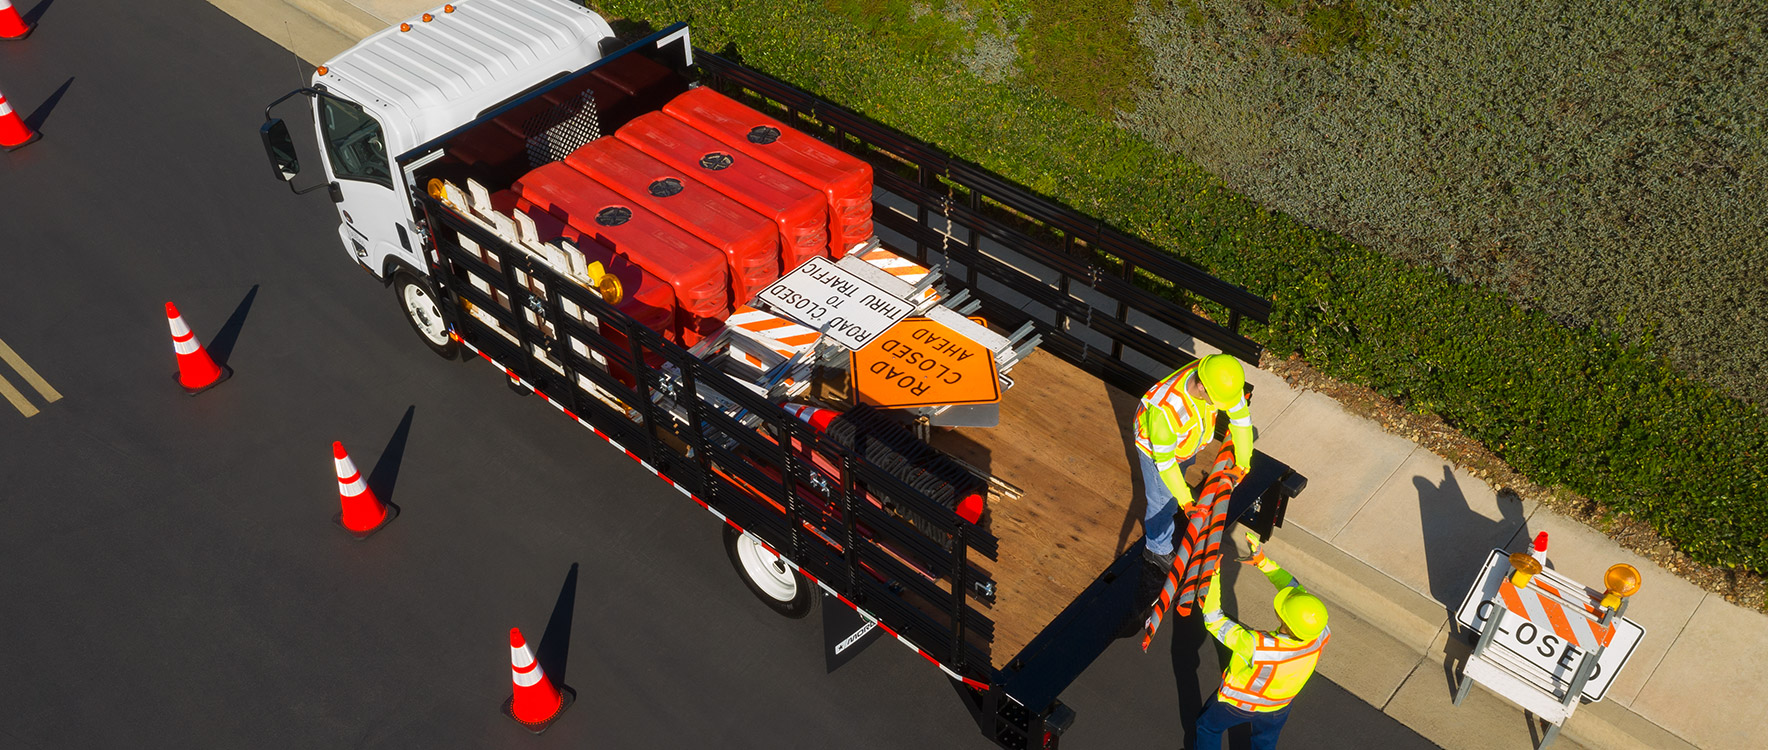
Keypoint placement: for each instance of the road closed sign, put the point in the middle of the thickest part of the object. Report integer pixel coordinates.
(919, 362)
(1540, 630)
(824, 297)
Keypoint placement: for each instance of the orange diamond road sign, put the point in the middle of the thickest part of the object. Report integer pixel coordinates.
(919, 362)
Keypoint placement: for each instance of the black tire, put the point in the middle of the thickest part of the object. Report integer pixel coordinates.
(796, 605)
(423, 310)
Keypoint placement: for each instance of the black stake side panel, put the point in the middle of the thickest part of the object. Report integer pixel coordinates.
(1103, 276)
(738, 470)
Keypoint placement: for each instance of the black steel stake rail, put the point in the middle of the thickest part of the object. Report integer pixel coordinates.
(1073, 322)
(714, 456)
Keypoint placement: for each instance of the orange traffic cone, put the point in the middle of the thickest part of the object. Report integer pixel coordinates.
(197, 372)
(536, 703)
(12, 27)
(14, 133)
(362, 513)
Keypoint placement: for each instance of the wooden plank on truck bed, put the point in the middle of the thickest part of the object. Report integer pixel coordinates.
(1064, 439)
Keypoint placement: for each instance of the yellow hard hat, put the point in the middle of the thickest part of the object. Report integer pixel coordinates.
(1304, 613)
(1223, 377)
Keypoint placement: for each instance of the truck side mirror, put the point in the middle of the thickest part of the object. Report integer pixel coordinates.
(280, 147)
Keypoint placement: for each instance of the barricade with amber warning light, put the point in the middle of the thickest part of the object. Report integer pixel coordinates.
(1546, 642)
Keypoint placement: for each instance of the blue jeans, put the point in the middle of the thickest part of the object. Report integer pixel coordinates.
(1157, 518)
(1219, 717)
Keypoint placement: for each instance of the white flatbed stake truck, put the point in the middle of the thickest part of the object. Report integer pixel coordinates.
(985, 532)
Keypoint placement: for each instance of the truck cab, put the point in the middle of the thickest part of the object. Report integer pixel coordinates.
(411, 84)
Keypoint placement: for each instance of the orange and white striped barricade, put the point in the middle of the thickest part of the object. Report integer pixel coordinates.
(1546, 643)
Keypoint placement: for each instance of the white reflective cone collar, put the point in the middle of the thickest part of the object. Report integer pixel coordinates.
(350, 482)
(5, 109)
(523, 669)
(183, 340)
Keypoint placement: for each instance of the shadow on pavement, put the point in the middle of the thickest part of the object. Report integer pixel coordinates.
(36, 13)
(555, 643)
(35, 120)
(385, 473)
(1446, 517)
(221, 347)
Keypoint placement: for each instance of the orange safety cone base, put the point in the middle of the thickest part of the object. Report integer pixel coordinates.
(392, 513)
(567, 696)
(35, 136)
(226, 372)
(19, 38)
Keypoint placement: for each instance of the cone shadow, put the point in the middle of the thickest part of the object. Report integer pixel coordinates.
(34, 121)
(221, 347)
(385, 473)
(555, 643)
(35, 14)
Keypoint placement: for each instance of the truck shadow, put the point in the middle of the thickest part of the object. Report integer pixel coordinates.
(1197, 661)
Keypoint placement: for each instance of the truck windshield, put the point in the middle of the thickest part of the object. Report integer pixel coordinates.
(353, 143)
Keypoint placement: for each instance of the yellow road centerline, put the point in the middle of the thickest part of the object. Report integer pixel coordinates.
(36, 381)
(18, 399)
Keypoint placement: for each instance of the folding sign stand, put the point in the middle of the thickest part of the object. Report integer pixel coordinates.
(1548, 603)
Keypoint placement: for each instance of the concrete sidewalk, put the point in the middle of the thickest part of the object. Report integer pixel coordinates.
(1391, 535)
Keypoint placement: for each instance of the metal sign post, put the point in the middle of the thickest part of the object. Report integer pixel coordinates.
(1545, 639)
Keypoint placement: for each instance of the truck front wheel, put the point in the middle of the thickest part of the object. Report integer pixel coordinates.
(775, 583)
(424, 313)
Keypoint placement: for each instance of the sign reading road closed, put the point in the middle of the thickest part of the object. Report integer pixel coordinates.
(824, 297)
(1538, 630)
(919, 362)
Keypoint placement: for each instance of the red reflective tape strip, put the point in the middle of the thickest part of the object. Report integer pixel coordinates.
(351, 478)
(186, 337)
(527, 669)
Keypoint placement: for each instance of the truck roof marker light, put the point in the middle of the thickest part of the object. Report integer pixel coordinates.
(322, 70)
(404, 27)
(447, 9)
(428, 18)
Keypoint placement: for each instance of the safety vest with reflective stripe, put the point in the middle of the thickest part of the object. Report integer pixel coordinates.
(1171, 426)
(1276, 670)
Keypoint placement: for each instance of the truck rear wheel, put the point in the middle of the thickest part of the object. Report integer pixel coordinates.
(424, 313)
(776, 584)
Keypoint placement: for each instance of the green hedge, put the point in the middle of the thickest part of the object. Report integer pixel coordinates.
(1564, 406)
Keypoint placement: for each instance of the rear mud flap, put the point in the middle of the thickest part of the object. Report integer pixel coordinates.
(845, 633)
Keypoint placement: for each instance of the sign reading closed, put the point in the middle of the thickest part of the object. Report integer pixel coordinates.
(919, 362)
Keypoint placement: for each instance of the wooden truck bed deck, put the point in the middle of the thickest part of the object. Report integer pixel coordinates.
(1065, 441)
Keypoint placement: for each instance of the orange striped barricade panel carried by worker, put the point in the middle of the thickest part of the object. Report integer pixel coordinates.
(1546, 642)
(1200, 550)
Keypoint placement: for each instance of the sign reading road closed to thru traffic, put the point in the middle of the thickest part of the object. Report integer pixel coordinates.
(1539, 632)
(824, 297)
(919, 362)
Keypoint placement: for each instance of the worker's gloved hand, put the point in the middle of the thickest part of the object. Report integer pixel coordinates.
(1256, 556)
(1212, 601)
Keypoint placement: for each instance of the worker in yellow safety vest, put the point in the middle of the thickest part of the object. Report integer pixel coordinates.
(1268, 668)
(1177, 417)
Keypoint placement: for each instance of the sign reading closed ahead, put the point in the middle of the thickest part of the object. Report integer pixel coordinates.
(919, 362)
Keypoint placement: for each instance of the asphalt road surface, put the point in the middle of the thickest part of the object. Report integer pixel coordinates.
(170, 577)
